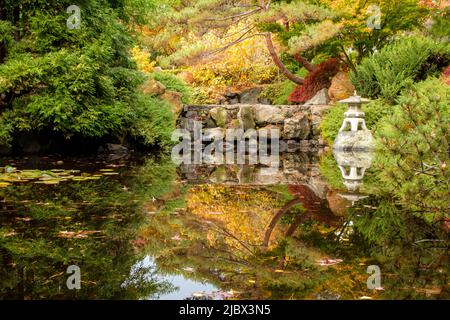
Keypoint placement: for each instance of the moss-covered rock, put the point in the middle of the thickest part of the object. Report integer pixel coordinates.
(219, 115)
(246, 117)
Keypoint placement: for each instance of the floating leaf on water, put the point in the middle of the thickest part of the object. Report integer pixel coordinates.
(80, 178)
(76, 234)
(4, 184)
(50, 182)
(26, 219)
(328, 262)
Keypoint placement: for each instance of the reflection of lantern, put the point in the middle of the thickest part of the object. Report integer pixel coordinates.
(353, 166)
(353, 134)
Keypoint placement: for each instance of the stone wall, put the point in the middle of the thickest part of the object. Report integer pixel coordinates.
(293, 169)
(298, 125)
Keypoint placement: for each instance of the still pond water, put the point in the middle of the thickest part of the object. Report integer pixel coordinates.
(142, 228)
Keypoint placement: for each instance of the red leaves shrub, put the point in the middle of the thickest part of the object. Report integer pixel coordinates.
(446, 75)
(316, 80)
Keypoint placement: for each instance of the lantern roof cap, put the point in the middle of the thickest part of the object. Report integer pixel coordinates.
(355, 99)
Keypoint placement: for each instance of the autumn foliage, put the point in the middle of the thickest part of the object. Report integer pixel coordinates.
(316, 80)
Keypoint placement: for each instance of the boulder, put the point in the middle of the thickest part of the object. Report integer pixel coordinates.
(297, 127)
(266, 131)
(213, 134)
(219, 115)
(246, 118)
(283, 146)
(250, 96)
(321, 98)
(230, 98)
(175, 101)
(116, 148)
(265, 114)
(153, 88)
(341, 87)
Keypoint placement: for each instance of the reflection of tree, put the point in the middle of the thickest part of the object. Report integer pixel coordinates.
(47, 228)
(315, 207)
(204, 246)
(412, 252)
(276, 218)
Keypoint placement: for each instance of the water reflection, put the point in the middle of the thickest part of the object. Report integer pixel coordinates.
(144, 229)
(353, 166)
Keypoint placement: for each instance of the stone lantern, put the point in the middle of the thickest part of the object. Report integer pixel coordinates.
(353, 165)
(353, 134)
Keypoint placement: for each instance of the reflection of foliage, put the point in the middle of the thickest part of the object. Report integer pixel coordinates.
(412, 251)
(87, 223)
(329, 169)
(181, 243)
(241, 213)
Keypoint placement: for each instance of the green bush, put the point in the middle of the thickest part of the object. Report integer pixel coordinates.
(278, 93)
(331, 122)
(415, 141)
(173, 83)
(75, 83)
(398, 66)
(153, 122)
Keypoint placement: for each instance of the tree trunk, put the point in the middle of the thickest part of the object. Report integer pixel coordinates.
(266, 6)
(308, 66)
(278, 61)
